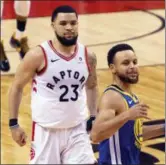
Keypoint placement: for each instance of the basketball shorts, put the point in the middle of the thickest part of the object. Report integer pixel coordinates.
(61, 146)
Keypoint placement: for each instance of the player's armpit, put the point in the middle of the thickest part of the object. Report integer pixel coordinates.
(92, 79)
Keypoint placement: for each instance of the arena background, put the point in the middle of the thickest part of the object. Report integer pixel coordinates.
(102, 24)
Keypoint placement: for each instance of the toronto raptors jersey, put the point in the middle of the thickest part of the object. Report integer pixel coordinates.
(58, 91)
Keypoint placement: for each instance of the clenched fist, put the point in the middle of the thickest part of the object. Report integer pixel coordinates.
(19, 136)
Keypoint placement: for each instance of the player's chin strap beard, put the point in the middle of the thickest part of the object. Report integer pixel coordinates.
(65, 41)
(127, 80)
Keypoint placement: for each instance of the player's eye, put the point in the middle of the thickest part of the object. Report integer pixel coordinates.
(126, 62)
(73, 23)
(135, 62)
(63, 23)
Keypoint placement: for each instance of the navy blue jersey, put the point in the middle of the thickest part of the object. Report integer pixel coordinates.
(124, 146)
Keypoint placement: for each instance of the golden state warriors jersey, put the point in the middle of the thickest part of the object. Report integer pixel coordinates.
(124, 146)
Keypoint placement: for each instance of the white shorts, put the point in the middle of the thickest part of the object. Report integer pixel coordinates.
(61, 146)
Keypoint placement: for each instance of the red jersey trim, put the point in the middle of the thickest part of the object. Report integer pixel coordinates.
(61, 55)
(45, 60)
(33, 130)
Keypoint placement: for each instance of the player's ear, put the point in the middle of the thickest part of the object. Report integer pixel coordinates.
(112, 68)
(53, 25)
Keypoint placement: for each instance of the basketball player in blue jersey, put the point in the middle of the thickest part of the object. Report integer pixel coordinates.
(118, 127)
(64, 88)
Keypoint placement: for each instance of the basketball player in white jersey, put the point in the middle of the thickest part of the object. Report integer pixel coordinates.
(64, 88)
(19, 41)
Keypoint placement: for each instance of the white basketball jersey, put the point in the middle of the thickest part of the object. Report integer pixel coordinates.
(58, 92)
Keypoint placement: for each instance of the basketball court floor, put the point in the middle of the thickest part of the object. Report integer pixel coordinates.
(144, 30)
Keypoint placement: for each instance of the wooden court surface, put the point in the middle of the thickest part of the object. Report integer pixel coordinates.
(150, 51)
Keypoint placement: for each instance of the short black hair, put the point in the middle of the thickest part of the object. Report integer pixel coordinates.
(117, 48)
(63, 9)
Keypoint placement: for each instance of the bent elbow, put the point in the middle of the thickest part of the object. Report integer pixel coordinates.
(95, 136)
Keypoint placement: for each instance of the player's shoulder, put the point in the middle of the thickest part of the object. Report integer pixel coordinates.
(112, 95)
(91, 56)
(35, 53)
(112, 99)
(35, 56)
(92, 59)
(38, 51)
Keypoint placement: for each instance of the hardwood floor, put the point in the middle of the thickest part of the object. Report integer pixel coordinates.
(150, 89)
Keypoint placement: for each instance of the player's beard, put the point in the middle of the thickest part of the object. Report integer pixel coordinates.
(126, 79)
(67, 42)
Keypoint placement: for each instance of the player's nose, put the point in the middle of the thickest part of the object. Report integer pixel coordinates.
(68, 27)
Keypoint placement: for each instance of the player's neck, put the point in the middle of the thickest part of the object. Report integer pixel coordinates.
(124, 86)
(64, 50)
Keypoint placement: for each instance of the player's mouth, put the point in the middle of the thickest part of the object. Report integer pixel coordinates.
(133, 74)
(69, 35)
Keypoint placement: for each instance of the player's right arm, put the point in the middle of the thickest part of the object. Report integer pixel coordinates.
(32, 62)
(113, 115)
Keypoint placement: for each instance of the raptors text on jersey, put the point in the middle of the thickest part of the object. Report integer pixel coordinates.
(58, 92)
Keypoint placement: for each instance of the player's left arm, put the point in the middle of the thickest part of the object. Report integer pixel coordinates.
(92, 86)
(151, 131)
